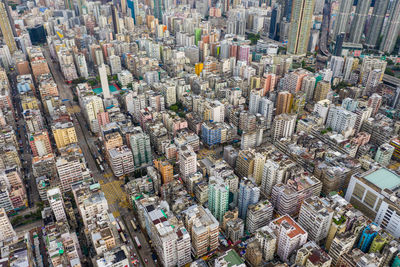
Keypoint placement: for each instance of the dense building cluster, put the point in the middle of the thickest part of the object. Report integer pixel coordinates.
(223, 133)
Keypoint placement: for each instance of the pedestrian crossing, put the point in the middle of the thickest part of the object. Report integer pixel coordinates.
(113, 191)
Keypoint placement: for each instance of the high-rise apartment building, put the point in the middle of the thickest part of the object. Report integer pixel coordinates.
(321, 90)
(384, 154)
(375, 26)
(6, 229)
(104, 81)
(267, 239)
(218, 197)
(187, 161)
(343, 18)
(284, 102)
(391, 31)
(64, 134)
(283, 126)
(69, 169)
(291, 236)
(121, 160)
(40, 144)
(115, 64)
(300, 26)
(274, 173)
(258, 215)
(374, 102)
(249, 194)
(340, 120)
(57, 204)
(6, 27)
(358, 22)
(141, 148)
(287, 198)
(315, 217)
(203, 229)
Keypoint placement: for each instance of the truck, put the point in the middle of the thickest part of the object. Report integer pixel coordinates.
(137, 242)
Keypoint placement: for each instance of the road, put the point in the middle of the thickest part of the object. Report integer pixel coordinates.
(86, 140)
(26, 156)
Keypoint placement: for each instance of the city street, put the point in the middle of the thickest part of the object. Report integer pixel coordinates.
(86, 140)
(26, 156)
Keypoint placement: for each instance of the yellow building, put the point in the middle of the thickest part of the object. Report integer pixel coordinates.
(198, 68)
(166, 169)
(64, 134)
(29, 102)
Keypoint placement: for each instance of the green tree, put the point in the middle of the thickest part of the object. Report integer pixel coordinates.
(389, 72)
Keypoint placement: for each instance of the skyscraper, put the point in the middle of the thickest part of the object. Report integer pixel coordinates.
(358, 23)
(140, 144)
(375, 27)
(391, 31)
(56, 203)
(6, 27)
(158, 10)
(283, 102)
(6, 229)
(218, 197)
(343, 18)
(249, 194)
(104, 81)
(133, 6)
(275, 15)
(300, 26)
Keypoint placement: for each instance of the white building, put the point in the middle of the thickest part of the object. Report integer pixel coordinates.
(104, 81)
(267, 239)
(308, 86)
(125, 77)
(70, 170)
(91, 106)
(187, 161)
(56, 203)
(6, 229)
(141, 148)
(337, 66)
(266, 108)
(258, 215)
(374, 193)
(291, 236)
(341, 120)
(315, 217)
(121, 160)
(384, 154)
(322, 108)
(283, 126)
(80, 62)
(115, 64)
(249, 194)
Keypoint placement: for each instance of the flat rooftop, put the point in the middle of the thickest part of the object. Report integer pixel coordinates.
(384, 179)
(232, 258)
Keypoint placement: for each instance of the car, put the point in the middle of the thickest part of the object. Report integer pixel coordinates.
(132, 258)
(134, 255)
(146, 261)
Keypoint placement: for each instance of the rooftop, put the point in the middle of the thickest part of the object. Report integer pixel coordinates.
(384, 179)
(232, 258)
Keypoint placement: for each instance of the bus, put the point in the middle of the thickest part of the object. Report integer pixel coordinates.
(133, 225)
(98, 161)
(122, 226)
(137, 242)
(122, 237)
